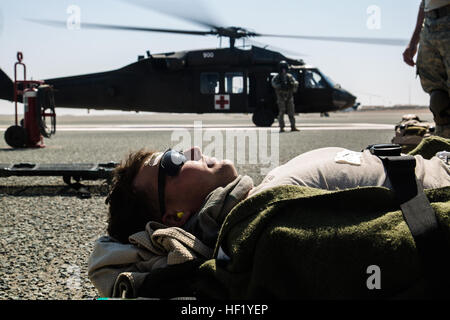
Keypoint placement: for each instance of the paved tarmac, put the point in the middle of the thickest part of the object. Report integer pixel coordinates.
(93, 138)
(47, 231)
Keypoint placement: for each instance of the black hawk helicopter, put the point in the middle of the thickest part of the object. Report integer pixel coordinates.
(221, 80)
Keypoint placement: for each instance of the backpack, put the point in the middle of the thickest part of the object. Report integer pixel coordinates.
(410, 131)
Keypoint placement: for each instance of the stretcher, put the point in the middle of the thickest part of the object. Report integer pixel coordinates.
(68, 171)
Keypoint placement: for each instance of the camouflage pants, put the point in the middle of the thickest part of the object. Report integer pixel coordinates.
(286, 105)
(433, 62)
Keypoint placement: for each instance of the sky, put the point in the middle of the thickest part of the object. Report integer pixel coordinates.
(376, 74)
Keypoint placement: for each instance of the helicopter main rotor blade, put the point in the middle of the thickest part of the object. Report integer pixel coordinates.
(116, 27)
(194, 12)
(271, 47)
(382, 41)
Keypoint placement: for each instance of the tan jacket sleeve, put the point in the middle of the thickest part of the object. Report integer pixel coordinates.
(110, 258)
(156, 247)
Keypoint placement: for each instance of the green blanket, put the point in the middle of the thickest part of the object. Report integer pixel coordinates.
(302, 243)
(428, 147)
(293, 242)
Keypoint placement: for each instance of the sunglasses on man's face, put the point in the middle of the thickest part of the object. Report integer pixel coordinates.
(169, 165)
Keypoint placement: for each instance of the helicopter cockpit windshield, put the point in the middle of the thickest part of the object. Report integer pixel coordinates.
(314, 80)
(331, 82)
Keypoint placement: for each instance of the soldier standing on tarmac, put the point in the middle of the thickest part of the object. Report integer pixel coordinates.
(433, 60)
(285, 85)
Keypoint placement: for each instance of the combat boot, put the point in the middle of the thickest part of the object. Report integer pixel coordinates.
(294, 129)
(443, 131)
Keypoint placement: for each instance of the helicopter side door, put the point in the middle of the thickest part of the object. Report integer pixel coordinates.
(236, 87)
(314, 93)
(207, 85)
(261, 93)
(221, 92)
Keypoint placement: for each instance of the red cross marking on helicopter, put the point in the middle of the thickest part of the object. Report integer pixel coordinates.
(222, 102)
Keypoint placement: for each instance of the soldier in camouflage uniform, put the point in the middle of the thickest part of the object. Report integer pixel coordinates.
(285, 85)
(433, 60)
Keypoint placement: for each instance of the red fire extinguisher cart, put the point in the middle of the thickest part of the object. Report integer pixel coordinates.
(30, 132)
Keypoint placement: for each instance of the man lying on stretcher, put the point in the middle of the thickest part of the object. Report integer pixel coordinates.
(190, 191)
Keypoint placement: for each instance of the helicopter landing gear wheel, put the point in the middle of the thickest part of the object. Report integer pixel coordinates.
(16, 136)
(263, 117)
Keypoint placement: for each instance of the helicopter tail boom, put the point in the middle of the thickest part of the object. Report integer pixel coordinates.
(6, 87)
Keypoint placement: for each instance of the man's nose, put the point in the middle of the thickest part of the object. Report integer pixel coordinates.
(193, 154)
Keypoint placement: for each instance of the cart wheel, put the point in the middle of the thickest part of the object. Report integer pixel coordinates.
(16, 136)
